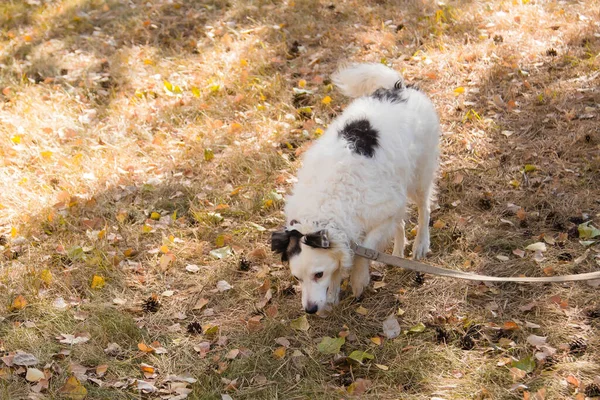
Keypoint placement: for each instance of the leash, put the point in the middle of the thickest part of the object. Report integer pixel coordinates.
(432, 270)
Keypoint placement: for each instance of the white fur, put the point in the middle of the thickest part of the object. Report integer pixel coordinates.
(358, 198)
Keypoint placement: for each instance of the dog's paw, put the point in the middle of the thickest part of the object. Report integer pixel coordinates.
(359, 282)
(420, 248)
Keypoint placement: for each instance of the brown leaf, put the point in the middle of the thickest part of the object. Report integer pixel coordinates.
(358, 387)
(73, 389)
(573, 380)
(254, 324)
(271, 311)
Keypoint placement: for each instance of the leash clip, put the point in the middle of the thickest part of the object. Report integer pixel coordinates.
(363, 251)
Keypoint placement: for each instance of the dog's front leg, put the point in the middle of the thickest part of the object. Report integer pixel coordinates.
(333, 291)
(359, 277)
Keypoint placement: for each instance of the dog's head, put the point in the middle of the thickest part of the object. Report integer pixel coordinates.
(313, 261)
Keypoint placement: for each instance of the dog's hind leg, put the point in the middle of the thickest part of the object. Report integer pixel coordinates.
(421, 244)
(359, 277)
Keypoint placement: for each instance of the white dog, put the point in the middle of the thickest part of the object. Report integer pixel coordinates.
(355, 182)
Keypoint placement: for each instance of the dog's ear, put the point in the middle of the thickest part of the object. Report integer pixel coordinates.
(318, 239)
(286, 243)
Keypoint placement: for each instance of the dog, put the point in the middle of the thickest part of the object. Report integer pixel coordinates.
(355, 181)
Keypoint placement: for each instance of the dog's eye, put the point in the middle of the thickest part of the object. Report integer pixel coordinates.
(318, 275)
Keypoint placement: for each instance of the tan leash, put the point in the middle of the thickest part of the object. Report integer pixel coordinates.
(430, 269)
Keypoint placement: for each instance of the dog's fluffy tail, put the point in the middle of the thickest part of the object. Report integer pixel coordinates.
(363, 79)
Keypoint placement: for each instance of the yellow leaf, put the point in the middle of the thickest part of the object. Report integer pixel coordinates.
(243, 63)
(208, 154)
(268, 203)
(101, 234)
(362, 311)
(279, 352)
(195, 91)
(171, 238)
(155, 216)
(13, 232)
(19, 303)
(164, 249)
(459, 90)
(326, 100)
(301, 83)
(16, 139)
(148, 61)
(73, 389)
(235, 127)
(318, 132)
(514, 183)
(376, 340)
(97, 282)
(146, 228)
(46, 154)
(46, 276)
(220, 241)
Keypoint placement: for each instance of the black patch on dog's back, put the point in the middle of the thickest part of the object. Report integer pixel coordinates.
(362, 138)
(390, 95)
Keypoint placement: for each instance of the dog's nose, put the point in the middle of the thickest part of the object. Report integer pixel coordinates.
(311, 308)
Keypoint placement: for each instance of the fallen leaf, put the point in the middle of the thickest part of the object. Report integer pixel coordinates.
(526, 364)
(192, 268)
(300, 324)
(517, 374)
(360, 356)
(222, 252)
(19, 303)
(146, 387)
(101, 370)
(510, 326)
(538, 246)
(232, 354)
(73, 339)
(358, 387)
(362, 311)
(536, 340)
(73, 389)
(391, 327)
(223, 286)
(376, 340)
(587, 231)
(519, 253)
(97, 282)
(283, 341)
(573, 381)
(330, 345)
(200, 304)
(420, 327)
(145, 348)
(279, 352)
(34, 375)
(382, 367)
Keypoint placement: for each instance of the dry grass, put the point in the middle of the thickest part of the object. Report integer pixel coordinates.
(93, 143)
